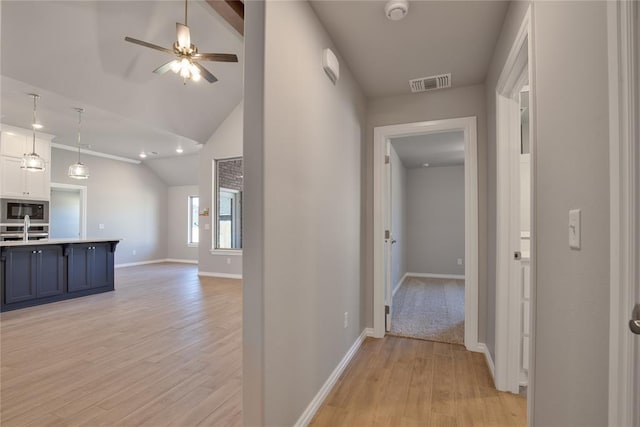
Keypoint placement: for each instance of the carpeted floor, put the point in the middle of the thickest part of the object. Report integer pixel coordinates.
(429, 309)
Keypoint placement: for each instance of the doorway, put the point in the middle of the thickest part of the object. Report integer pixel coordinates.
(383, 241)
(67, 211)
(427, 236)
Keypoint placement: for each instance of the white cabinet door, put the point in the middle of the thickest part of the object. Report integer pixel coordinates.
(37, 184)
(12, 182)
(13, 145)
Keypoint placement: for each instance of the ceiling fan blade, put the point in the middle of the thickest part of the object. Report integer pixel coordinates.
(184, 36)
(150, 45)
(219, 57)
(164, 68)
(205, 73)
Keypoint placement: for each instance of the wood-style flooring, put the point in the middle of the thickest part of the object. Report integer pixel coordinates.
(163, 349)
(406, 382)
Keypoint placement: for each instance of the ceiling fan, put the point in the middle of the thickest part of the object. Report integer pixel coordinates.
(187, 56)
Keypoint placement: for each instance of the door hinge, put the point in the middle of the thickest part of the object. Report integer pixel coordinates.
(517, 255)
(387, 159)
(387, 234)
(387, 320)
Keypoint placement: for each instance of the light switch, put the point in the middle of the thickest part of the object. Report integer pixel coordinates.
(101, 226)
(574, 228)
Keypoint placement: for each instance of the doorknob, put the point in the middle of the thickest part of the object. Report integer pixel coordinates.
(393, 241)
(634, 323)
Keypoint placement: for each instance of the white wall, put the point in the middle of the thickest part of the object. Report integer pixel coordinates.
(303, 255)
(435, 220)
(444, 104)
(178, 223)
(398, 218)
(224, 143)
(129, 199)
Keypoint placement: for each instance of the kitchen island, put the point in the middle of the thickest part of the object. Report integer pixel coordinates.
(38, 272)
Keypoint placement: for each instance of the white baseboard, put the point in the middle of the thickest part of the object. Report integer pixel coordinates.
(400, 283)
(155, 261)
(482, 348)
(220, 275)
(133, 264)
(326, 388)
(437, 276)
(182, 261)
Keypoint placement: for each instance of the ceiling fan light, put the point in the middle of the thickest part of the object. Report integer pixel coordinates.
(32, 162)
(78, 171)
(195, 77)
(175, 66)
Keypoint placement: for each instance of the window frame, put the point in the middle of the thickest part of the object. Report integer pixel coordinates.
(190, 242)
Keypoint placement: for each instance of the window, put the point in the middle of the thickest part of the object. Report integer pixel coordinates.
(194, 231)
(228, 179)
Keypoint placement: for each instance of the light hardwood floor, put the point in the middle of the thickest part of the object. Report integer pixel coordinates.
(163, 349)
(406, 382)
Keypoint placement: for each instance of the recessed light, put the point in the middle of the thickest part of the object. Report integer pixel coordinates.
(179, 150)
(426, 165)
(37, 126)
(143, 155)
(11, 133)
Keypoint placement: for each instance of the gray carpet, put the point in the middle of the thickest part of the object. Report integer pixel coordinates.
(429, 309)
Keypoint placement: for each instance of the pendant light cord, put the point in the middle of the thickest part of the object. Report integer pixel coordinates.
(79, 127)
(35, 103)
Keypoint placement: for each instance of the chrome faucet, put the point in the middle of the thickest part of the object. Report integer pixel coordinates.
(27, 224)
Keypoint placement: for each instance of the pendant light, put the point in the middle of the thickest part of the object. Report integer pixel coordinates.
(32, 161)
(79, 170)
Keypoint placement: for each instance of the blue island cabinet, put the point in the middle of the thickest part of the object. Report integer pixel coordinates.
(34, 274)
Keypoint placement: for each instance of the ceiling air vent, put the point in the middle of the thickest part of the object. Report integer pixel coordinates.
(423, 84)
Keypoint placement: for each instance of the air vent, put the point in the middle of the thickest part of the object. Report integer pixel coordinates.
(430, 83)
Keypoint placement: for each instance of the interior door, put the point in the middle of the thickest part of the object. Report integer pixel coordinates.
(388, 298)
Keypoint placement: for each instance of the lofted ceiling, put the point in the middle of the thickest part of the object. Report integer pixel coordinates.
(436, 149)
(436, 37)
(74, 54)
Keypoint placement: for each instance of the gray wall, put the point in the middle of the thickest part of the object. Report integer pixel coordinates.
(445, 104)
(435, 220)
(64, 214)
(224, 143)
(309, 194)
(398, 218)
(178, 223)
(129, 199)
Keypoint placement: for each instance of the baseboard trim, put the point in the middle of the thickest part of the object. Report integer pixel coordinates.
(133, 264)
(182, 261)
(437, 276)
(482, 348)
(400, 283)
(219, 275)
(326, 388)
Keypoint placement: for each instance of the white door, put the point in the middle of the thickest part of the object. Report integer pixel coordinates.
(388, 291)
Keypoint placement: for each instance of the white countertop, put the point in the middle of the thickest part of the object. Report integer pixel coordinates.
(53, 242)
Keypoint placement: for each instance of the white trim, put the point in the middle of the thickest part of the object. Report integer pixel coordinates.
(518, 69)
(328, 385)
(220, 275)
(93, 153)
(133, 264)
(381, 136)
(232, 252)
(192, 245)
(623, 141)
(437, 276)
(182, 261)
(400, 283)
(482, 348)
(83, 204)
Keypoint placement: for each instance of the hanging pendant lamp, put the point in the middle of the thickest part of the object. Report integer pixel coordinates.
(79, 170)
(32, 161)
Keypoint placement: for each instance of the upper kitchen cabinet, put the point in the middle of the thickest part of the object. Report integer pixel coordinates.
(15, 182)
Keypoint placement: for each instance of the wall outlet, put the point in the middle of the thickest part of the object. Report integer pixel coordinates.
(133, 252)
(346, 319)
(459, 261)
(228, 260)
(101, 226)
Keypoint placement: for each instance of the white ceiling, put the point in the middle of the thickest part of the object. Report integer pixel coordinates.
(436, 149)
(436, 37)
(183, 170)
(74, 54)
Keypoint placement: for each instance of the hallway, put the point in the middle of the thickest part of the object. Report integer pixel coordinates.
(406, 382)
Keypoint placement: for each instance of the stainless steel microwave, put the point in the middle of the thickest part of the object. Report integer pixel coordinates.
(14, 210)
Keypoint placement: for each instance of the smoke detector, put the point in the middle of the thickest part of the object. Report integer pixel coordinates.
(396, 9)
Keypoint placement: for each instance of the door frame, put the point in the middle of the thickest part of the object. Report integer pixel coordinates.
(624, 140)
(517, 70)
(382, 134)
(83, 204)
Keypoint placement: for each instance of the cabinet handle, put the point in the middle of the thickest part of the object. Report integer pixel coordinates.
(39, 252)
(33, 252)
